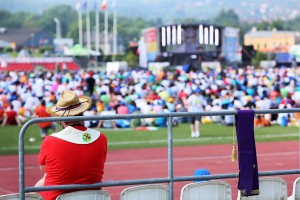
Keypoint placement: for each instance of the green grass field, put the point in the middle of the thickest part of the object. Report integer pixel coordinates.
(128, 138)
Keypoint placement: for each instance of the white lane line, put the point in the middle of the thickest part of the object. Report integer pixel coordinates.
(6, 191)
(200, 139)
(276, 154)
(17, 168)
(197, 158)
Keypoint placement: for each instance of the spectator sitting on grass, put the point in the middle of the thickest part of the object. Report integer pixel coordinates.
(11, 117)
(107, 123)
(40, 111)
(1, 114)
(260, 121)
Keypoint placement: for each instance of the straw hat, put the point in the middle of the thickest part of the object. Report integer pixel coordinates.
(69, 104)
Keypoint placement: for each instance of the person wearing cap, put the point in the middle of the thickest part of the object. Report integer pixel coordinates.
(76, 154)
(196, 102)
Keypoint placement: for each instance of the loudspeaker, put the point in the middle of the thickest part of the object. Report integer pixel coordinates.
(248, 53)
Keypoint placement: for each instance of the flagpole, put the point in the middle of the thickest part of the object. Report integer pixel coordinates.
(79, 9)
(105, 32)
(97, 29)
(88, 30)
(80, 25)
(115, 30)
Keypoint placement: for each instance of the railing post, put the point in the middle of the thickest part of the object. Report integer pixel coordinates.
(21, 163)
(170, 158)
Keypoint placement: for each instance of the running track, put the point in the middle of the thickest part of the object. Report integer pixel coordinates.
(152, 163)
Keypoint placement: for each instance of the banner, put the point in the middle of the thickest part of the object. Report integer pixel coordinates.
(150, 36)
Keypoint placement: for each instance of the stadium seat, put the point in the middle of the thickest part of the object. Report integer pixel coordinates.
(212, 190)
(28, 196)
(145, 192)
(85, 194)
(271, 188)
(296, 190)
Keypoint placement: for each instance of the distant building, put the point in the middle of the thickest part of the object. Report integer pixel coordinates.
(271, 41)
(24, 38)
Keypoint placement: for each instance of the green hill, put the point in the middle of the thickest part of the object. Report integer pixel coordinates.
(169, 10)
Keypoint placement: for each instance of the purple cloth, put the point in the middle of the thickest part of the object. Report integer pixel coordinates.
(248, 170)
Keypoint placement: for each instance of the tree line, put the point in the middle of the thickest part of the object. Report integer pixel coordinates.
(129, 29)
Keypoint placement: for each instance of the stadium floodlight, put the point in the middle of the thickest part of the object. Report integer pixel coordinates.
(217, 37)
(174, 35)
(179, 34)
(205, 35)
(168, 35)
(211, 35)
(201, 34)
(163, 36)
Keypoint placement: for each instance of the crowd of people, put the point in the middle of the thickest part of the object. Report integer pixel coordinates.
(140, 91)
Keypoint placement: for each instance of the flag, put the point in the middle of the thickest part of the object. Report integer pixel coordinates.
(84, 6)
(104, 5)
(113, 5)
(95, 5)
(78, 5)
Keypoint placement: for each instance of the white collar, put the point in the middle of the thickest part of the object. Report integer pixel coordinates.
(76, 136)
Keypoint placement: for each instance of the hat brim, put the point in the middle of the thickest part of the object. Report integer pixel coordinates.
(85, 101)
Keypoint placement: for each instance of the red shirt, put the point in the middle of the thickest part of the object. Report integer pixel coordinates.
(70, 163)
(154, 97)
(182, 94)
(41, 112)
(11, 117)
(1, 113)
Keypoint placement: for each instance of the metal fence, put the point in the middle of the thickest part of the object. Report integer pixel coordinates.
(170, 179)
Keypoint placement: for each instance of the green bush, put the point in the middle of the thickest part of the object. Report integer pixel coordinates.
(132, 59)
(7, 50)
(259, 56)
(42, 49)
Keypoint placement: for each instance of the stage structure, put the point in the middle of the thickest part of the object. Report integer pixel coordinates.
(182, 44)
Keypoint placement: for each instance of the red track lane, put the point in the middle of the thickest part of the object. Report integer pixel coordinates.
(152, 163)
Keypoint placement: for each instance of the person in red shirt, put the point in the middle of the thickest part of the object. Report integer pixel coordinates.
(40, 111)
(1, 114)
(10, 117)
(75, 155)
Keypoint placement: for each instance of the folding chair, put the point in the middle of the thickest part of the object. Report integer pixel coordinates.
(85, 194)
(296, 190)
(28, 196)
(212, 190)
(145, 192)
(271, 188)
